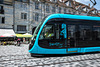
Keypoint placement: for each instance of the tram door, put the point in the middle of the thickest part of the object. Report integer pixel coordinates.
(71, 39)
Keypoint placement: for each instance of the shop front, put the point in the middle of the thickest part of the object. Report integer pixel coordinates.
(7, 37)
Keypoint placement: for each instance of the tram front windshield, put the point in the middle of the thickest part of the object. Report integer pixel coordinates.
(47, 32)
(37, 29)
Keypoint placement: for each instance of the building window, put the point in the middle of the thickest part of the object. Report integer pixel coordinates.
(68, 4)
(24, 6)
(61, 0)
(74, 12)
(97, 11)
(23, 15)
(1, 10)
(47, 9)
(88, 10)
(93, 12)
(53, 9)
(1, 1)
(69, 11)
(36, 17)
(53, 0)
(79, 12)
(25, 0)
(84, 9)
(21, 28)
(19, 0)
(36, 5)
(59, 9)
(2, 20)
(65, 11)
(22, 0)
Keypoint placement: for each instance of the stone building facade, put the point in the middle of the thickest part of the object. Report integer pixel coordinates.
(6, 16)
(23, 15)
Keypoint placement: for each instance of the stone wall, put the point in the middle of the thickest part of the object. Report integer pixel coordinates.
(8, 14)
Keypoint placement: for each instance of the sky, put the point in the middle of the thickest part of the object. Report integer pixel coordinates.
(97, 6)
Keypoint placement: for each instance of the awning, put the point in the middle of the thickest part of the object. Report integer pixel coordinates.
(7, 33)
(24, 35)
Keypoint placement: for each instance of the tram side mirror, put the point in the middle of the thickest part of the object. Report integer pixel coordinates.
(32, 41)
(33, 30)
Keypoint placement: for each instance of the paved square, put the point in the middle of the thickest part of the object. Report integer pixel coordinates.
(18, 56)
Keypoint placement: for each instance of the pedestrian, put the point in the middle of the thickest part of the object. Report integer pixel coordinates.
(15, 42)
(18, 42)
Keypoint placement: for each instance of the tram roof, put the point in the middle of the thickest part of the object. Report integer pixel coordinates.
(73, 17)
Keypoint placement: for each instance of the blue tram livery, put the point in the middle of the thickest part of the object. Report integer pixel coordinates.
(65, 34)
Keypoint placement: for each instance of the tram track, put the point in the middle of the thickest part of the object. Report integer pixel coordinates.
(39, 59)
(64, 62)
(53, 63)
(15, 57)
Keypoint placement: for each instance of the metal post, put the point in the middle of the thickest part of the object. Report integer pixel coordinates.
(41, 10)
(14, 15)
(44, 7)
(29, 17)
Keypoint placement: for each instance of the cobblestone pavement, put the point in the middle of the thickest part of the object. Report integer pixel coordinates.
(18, 56)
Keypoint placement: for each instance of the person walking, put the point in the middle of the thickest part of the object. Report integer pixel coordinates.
(18, 42)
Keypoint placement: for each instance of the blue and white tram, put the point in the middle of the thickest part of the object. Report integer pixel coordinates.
(65, 34)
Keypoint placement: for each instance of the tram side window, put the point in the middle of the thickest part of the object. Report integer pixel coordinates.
(57, 30)
(85, 32)
(71, 31)
(47, 32)
(60, 30)
(96, 32)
